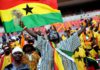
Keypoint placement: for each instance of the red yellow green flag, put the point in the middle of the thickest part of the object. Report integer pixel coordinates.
(35, 13)
(58, 65)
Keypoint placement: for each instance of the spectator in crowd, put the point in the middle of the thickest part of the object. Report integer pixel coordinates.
(91, 63)
(46, 46)
(17, 64)
(31, 42)
(14, 42)
(31, 57)
(4, 39)
(79, 56)
(47, 51)
(6, 59)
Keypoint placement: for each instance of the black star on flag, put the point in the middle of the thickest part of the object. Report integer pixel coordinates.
(79, 58)
(28, 9)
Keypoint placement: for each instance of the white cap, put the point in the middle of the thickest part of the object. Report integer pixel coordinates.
(17, 49)
(13, 37)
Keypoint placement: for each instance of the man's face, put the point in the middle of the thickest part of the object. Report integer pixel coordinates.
(53, 36)
(17, 56)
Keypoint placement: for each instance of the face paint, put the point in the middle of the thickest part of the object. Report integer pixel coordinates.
(53, 35)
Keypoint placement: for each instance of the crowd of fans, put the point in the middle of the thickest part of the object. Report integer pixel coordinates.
(29, 51)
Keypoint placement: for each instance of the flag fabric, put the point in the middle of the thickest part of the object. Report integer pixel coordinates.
(35, 13)
(91, 63)
(5, 60)
(22, 41)
(58, 65)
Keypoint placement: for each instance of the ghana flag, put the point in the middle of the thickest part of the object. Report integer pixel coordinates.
(35, 13)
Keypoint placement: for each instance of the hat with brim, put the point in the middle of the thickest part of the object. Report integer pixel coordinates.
(17, 49)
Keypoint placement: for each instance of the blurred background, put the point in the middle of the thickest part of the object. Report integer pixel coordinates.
(69, 7)
(73, 7)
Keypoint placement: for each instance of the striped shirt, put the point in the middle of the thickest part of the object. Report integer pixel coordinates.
(47, 52)
(69, 45)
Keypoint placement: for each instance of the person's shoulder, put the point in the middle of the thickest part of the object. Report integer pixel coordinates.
(8, 67)
(25, 67)
(2, 56)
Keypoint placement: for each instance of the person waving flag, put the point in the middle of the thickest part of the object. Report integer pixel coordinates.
(33, 13)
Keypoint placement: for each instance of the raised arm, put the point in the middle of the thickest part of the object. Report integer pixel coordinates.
(33, 34)
(18, 15)
(82, 28)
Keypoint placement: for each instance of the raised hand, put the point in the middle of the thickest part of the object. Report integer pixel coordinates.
(21, 24)
(17, 13)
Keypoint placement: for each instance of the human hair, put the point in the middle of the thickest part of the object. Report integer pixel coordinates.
(30, 41)
(28, 46)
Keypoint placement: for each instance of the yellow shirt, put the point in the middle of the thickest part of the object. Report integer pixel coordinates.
(98, 40)
(6, 61)
(63, 37)
(80, 63)
(95, 34)
(85, 41)
(14, 44)
(93, 53)
(31, 62)
(82, 41)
